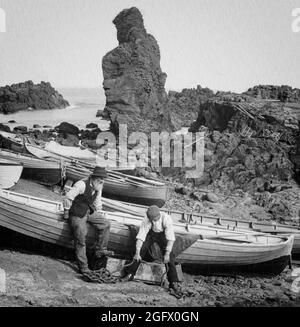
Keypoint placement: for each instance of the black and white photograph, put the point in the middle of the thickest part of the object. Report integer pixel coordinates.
(149, 156)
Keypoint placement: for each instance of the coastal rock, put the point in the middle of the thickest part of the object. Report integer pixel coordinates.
(183, 107)
(211, 197)
(20, 129)
(134, 83)
(24, 96)
(4, 128)
(36, 126)
(90, 134)
(181, 189)
(91, 125)
(67, 128)
(215, 115)
(282, 93)
(254, 148)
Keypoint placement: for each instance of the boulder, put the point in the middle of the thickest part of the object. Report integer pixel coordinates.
(67, 128)
(4, 128)
(90, 134)
(91, 125)
(181, 189)
(36, 126)
(20, 129)
(211, 197)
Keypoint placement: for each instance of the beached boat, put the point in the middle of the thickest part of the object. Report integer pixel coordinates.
(117, 186)
(12, 142)
(214, 249)
(10, 173)
(125, 187)
(43, 171)
(210, 220)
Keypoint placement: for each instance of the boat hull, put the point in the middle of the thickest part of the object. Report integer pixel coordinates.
(49, 177)
(10, 174)
(42, 219)
(230, 224)
(42, 171)
(273, 267)
(156, 195)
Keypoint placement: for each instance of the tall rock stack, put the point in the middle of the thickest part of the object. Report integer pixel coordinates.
(134, 83)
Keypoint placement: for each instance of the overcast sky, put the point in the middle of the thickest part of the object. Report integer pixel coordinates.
(220, 44)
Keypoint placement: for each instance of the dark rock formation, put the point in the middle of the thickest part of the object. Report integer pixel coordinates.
(247, 146)
(183, 107)
(91, 125)
(4, 128)
(214, 115)
(20, 129)
(67, 128)
(134, 83)
(24, 96)
(282, 93)
(90, 134)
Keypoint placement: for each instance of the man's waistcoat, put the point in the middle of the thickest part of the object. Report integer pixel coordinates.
(83, 202)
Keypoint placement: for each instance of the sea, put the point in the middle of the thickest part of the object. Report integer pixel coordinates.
(84, 104)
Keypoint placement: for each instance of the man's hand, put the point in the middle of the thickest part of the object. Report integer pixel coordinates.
(137, 257)
(67, 203)
(167, 257)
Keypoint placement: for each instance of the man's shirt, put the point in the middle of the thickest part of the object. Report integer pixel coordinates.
(79, 188)
(163, 224)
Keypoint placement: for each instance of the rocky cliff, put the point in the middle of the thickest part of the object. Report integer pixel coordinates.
(27, 95)
(134, 83)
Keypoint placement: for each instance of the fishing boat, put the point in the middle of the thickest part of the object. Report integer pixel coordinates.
(10, 173)
(117, 186)
(12, 142)
(214, 249)
(210, 220)
(124, 187)
(43, 171)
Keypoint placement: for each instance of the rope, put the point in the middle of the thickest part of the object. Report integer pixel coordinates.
(102, 276)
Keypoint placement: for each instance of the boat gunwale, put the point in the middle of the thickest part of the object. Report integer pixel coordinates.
(284, 239)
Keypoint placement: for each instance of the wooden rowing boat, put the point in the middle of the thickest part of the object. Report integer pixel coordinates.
(117, 185)
(214, 250)
(210, 220)
(127, 188)
(12, 141)
(43, 171)
(10, 173)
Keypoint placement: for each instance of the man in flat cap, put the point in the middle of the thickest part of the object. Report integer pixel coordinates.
(157, 227)
(82, 204)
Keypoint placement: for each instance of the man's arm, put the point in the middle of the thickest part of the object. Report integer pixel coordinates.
(98, 201)
(78, 188)
(170, 236)
(141, 236)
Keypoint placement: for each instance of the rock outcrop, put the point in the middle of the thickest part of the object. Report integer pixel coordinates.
(134, 83)
(248, 145)
(183, 107)
(282, 93)
(29, 96)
